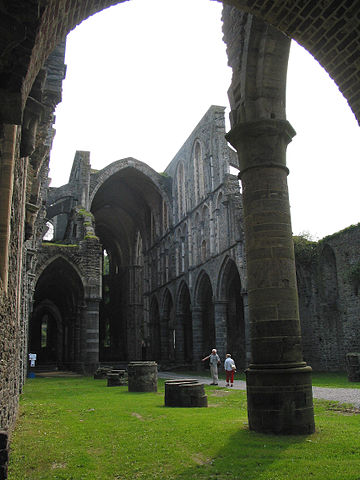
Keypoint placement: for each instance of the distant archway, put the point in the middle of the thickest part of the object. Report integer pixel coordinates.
(56, 320)
(205, 308)
(230, 291)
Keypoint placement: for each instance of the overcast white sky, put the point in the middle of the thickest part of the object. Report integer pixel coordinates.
(142, 74)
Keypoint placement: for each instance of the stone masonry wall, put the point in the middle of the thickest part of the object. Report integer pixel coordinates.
(10, 338)
(329, 298)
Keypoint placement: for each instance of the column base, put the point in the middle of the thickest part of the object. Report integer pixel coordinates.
(280, 399)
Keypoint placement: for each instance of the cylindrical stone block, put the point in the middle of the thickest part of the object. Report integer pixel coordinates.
(113, 380)
(172, 389)
(142, 377)
(185, 393)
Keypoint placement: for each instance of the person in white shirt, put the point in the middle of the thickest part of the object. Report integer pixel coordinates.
(214, 361)
(230, 369)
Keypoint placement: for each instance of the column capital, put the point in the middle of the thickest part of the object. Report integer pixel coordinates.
(261, 143)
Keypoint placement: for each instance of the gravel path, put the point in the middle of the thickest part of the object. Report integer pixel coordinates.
(342, 395)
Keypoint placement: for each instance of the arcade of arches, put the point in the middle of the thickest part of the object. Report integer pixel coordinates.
(31, 36)
(159, 298)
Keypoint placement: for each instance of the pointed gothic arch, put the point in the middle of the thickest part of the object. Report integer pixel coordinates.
(204, 323)
(230, 294)
(58, 304)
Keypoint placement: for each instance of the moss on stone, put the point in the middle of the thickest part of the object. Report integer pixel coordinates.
(92, 237)
(57, 244)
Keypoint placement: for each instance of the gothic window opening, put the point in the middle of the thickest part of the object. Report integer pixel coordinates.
(49, 234)
(181, 191)
(198, 173)
(44, 331)
(106, 263)
(203, 251)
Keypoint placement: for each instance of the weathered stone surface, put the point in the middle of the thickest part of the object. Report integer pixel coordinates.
(185, 393)
(353, 366)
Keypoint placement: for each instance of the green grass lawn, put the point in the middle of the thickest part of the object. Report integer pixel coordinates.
(77, 429)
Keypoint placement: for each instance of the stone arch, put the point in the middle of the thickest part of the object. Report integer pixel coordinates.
(46, 341)
(59, 291)
(46, 29)
(127, 200)
(331, 335)
(328, 277)
(42, 266)
(184, 332)
(99, 178)
(230, 298)
(203, 316)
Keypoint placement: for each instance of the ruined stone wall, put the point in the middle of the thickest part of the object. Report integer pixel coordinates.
(328, 281)
(11, 334)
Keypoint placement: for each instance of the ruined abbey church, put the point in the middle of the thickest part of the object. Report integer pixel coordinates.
(163, 266)
(144, 265)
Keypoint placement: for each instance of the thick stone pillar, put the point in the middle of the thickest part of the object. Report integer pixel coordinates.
(164, 339)
(247, 330)
(179, 338)
(220, 312)
(278, 381)
(8, 157)
(135, 312)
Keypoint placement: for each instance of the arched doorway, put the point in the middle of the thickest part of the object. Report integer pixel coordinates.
(231, 295)
(203, 316)
(55, 324)
(46, 334)
(127, 205)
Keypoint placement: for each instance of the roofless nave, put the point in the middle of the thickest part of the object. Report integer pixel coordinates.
(259, 132)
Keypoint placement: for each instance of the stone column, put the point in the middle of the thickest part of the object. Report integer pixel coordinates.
(220, 311)
(179, 337)
(197, 337)
(278, 381)
(8, 156)
(135, 312)
(164, 339)
(247, 330)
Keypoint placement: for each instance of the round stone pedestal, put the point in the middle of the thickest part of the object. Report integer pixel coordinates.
(280, 400)
(142, 377)
(185, 393)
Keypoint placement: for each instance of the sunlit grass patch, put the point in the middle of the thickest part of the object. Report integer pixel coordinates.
(78, 429)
